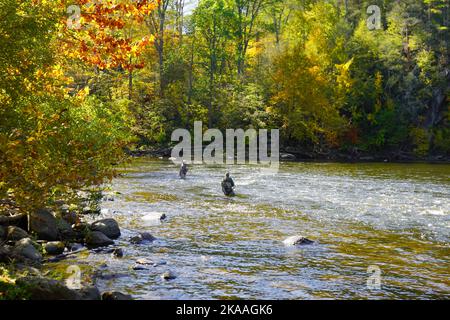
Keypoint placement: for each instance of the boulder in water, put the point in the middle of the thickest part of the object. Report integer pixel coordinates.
(159, 263)
(144, 261)
(154, 217)
(108, 227)
(297, 241)
(65, 230)
(141, 237)
(96, 239)
(75, 247)
(138, 268)
(168, 275)
(147, 236)
(136, 239)
(54, 247)
(117, 252)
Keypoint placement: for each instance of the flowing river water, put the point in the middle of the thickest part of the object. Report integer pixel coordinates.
(391, 220)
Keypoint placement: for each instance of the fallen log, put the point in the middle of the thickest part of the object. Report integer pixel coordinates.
(63, 256)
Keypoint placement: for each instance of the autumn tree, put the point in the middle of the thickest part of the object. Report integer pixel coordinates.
(247, 12)
(212, 20)
(156, 23)
(53, 140)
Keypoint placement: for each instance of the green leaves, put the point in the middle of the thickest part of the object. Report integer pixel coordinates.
(48, 139)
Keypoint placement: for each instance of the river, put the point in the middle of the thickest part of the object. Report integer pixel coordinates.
(386, 224)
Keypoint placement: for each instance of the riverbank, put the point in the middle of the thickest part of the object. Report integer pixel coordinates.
(296, 154)
(29, 241)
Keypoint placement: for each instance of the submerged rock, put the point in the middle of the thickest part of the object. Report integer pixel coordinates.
(168, 275)
(110, 276)
(160, 263)
(14, 233)
(75, 247)
(26, 248)
(117, 252)
(97, 239)
(297, 241)
(54, 247)
(147, 236)
(2, 232)
(138, 268)
(115, 295)
(143, 261)
(136, 239)
(141, 237)
(109, 227)
(44, 224)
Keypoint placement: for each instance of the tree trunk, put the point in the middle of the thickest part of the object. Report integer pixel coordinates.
(191, 71)
(162, 18)
(130, 82)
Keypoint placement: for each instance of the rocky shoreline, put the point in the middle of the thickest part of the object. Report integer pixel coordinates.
(50, 235)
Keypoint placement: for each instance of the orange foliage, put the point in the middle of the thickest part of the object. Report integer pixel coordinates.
(102, 38)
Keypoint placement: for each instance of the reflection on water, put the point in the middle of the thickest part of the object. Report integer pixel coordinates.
(393, 216)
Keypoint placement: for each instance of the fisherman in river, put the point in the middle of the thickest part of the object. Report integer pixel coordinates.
(228, 186)
(183, 170)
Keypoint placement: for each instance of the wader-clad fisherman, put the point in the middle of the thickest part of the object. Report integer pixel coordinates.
(228, 186)
(183, 170)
